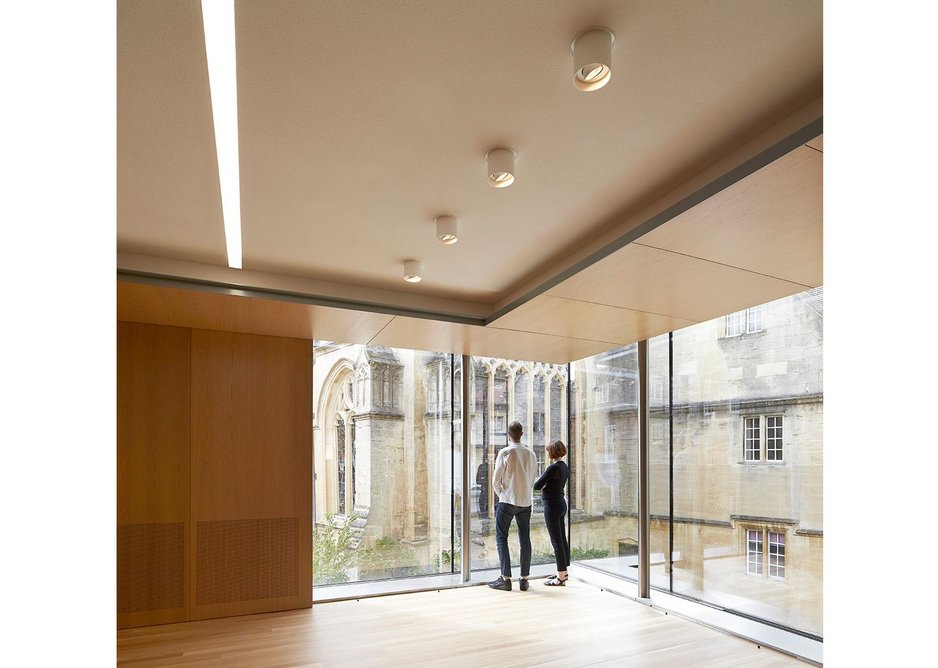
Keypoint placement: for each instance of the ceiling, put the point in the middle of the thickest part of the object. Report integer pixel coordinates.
(690, 186)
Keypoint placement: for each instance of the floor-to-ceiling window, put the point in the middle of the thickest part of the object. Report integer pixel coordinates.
(604, 460)
(383, 463)
(504, 391)
(745, 460)
(735, 460)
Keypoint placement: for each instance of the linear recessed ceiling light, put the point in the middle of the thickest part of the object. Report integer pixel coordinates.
(592, 58)
(218, 20)
(500, 167)
(412, 270)
(447, 229)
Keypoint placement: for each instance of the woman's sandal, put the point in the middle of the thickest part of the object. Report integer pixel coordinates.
(554, 581)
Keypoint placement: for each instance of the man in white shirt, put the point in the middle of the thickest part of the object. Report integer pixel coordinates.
(515, 472)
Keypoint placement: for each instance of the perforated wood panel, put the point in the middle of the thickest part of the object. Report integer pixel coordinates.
(246, 560)
(150, 566)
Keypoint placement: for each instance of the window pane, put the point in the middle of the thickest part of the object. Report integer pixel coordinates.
(725, 390)
(754, 318)
(754, 552)
(368, 402)
(604, 530)
(752, 435)
(527, 403)
(776, 555)
(735, 323)
(773, 437)
(659, 454)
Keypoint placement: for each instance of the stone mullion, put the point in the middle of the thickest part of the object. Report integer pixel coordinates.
(564, 415)
(511, 398)
(350, 480)
(490, 455)
(548, 434)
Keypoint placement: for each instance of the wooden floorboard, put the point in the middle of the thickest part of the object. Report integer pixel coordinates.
(578, 625)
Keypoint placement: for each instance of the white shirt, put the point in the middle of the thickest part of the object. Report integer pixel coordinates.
(515, 473)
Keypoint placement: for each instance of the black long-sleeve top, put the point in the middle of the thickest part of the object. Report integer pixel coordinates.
(553, 480)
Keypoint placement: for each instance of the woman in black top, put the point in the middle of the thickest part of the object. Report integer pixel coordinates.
(552, 483)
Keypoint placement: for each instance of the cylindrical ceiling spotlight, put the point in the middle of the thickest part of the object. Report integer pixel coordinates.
(500, 167)
(412, 271)
(592, 58)
(446, 229)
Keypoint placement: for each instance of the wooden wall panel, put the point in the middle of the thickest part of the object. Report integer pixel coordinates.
(153, 408)
(251, 460)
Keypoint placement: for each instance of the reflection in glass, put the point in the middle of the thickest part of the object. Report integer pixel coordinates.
(747, 452)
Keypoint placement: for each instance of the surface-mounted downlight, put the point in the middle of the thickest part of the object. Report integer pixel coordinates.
(592, 58)
(500, 167)
(412, 271)
(447, 229)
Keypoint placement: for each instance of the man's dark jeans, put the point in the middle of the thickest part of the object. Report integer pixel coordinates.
(503, 514)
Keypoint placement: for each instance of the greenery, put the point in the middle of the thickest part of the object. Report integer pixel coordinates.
(446, 557)
(333, 555)
(546, 556)
(389, 557)
(584, 553)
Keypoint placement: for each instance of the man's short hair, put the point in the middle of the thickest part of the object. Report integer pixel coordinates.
(556, 450)
(515, 430)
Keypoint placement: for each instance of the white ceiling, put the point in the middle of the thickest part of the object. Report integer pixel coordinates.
(360, 122)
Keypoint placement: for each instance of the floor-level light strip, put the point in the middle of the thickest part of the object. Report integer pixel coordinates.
(218, 18)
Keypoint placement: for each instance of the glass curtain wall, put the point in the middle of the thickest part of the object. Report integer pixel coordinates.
(735, 445)
(735, 450)
(383, 464)
(534, 394)
(746, 462)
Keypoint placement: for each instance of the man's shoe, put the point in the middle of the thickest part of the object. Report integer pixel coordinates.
(504, 585)
(524, 584)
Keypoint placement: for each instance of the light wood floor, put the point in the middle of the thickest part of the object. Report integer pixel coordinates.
(578, 625)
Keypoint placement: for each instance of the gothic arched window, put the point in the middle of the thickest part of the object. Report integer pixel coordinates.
(340, 462)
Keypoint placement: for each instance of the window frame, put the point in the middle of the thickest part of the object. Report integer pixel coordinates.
(774, 438)
(765, 552)
(776, 558)
(755, 558)
(769, 437)
(609, 442)
(747, 321)
(750, 434)
(755, 319)
(738, 321)
(605, 393)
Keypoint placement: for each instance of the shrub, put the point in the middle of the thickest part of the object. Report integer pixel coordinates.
(333, 555)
